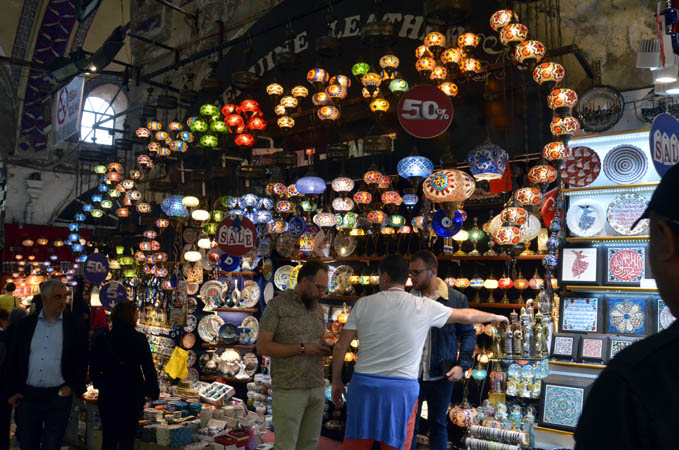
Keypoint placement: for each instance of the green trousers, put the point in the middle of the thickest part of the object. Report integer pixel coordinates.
(297, 417)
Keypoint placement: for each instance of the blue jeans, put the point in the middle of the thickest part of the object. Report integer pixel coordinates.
(42, 419)
(437, 395)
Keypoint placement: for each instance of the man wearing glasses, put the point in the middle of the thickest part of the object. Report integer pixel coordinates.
(632, 404)
(291, 333)
(441, 366)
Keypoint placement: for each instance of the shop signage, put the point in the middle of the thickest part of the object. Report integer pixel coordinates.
(96, 268)
(425, 112)
(236, 237)
(112, 293)
(664, 142)
(67, 110)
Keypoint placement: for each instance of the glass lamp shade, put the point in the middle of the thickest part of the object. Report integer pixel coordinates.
(410, 199)
(248, 201)
(292, 191)
(309, 205)
(542, 173)
(491, 284)
(513, 34)
(449, 88)
(528, 196)
(365, 92)
(397, 221)
(521, 283)
(502, 18)
(389, 62)
(325, 219)
(30, 243)
(461, 236)
(209, 140)
(199, 126)
(209, 110)
(200, 215)
(342, 204)
(391, 198)
(143, 133)
(150, 234)
(417, 223)
(385, 183)
(342, 80)
(277, 226)
(562, 99)
(106, 204)
(487, 162)
(377, 217)
(422, 51)
(154, 125)
(87, 207)
(180, 146)
(425, 65)
(285, 122)
(122, 212)
(415, 166)
(363, 197)
(379, 105)
(145, 161)
(265, 203)
(462, 283)
(514, 216)
(342, 184)
(336, 92)
(283, 206)
(306, 242)
(204, 243)
(176, 126)
(467, 41)
(470, 65)
(387, 230)
(263, 217)
(164, 151)
(114, 193)
(153, 147)
(42, 241)
(449, 185)
(475, 234)
(505, 283)
(289, 102)
(529, 52)
(359, 69)
(173, 207)
(452, 57)
(548, 73)
(115, 167)
(564, 126)
(371, 79)
(140, 256)
(328, 113)
(311, 185)
(161, 135)
(435, 41)
(320, 98)
(162, 223)
(216, 126)
(249, 107)
(317, 76)
(97, 198)
(507, 235)
(279, 110)
(438, 74)
(192, 256)
(398, 86)
(274, 89)
(299, 92)
(75, 247)
(372, 177)
(190, 201)
(244, 140)
(556, 151)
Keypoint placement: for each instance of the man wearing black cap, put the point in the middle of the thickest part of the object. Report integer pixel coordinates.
(633, 403)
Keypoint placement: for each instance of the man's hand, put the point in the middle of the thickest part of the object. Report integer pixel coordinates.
(15, 400)
(339, 393)
(455, 374)
(316, 350)
(65, 391)
(500, 319)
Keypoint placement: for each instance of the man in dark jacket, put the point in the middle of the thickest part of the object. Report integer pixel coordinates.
(46, 364)
(441, 366)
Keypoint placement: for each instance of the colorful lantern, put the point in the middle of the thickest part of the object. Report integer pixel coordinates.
(328, 113)
(529, 52)
(379, 105)
(514, 216)
(507, 235)
(562, 100)
(502, 18)
(542, 174)
(513, 34)
(244, 140)
(564, 126)
(359, 69)
(363, 197)
(342, 80)
(449, 88)
(320, 98)
(556, 151)
(528, 196)
(435, 42)
(415, 166)
(317, 77)
(311, 185)
(143, 133)
(398, 86)
(468, 41)
(299, 92)
(452, 57)
(548, 74)
(487, 162)
(424, 66)
(285, 122)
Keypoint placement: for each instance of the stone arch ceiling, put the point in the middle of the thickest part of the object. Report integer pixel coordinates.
(40, 31)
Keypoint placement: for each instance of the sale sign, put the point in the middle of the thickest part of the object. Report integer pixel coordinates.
(425, 112)
(96, 268)
(112, 293)
(664, 142)
(237, 236)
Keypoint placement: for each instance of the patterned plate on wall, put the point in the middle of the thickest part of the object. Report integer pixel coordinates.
(208, 327)
(582, 168)
(625, 164)
(624, 211)
(585, 218)
(282, 277)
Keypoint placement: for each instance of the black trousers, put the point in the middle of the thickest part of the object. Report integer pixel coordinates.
(5, 418)
(42, 417)
(120, 414)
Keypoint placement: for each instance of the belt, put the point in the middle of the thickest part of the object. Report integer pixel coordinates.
(41, 392)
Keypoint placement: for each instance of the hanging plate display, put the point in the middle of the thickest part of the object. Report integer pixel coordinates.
(625, 164)
(265, 247)
(210, 294)
(296, 226)
(250, 261)
(251, 363)
(191, 323)
(192, 288)
(282, 277)
(624, 211)
(585, 218)
(251, 323)
(208, 327)
(193, 376)
(250, 295)
(191, 360)
(190, 236)
(444, 226)
(599, 108)
(189, 340)
(339, 283)
(344, 244)
(293, 276)
(582, 168)
(268, 292)
(322, 244)
(286, 245)
(228, 333)
(191, 305)
(267, 269)
(229, 362)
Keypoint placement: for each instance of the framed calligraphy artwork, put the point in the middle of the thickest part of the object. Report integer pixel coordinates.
(565, 346)
(580, 266)
(581, 314)
(593, 349)
(627, 315)
(561, 401)
(625, 265)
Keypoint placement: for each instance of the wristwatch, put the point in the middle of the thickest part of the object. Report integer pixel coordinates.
(302, 345)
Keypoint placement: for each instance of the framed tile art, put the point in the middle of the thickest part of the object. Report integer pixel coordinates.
(627, 314)
(618, 343)
(565, 346)
(581, 313)
(580, 265)
(593, 349)
(561, 401)
(625, 265)
(665, 317)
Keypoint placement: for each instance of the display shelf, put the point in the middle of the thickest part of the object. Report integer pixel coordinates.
(496, 305)
(224, 379)
(236, 346)
(609, 288)
(552, 430)
(578, 365)
(608, 238)
(241, 274)
(442, 257)
(638, 186)
(518, 359)
(243, 310)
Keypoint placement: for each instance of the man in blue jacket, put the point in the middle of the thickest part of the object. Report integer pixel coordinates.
(441, 365)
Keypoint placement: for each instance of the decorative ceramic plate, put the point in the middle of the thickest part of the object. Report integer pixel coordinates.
(265, 247)
(268, 292)
(229, 362)
(250, 261)
(191, 323)
(585, 218)
(210, 293)
(582, 168)
(625, 164)
(624, 211)
(322, 244)
(228, 333)
(250, 295)
(286, 245)
(192, 288)
(267, 269)
(191, 305)
(208, 327)
(251, 363)
(282, 277)
(193, 376)
(293, 276)
(339, 283)
(190, 236)
(189, 340)
(252, 323)
(186, 270)
(191, 360)
(344, 244)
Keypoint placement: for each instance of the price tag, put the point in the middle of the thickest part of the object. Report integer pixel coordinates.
(425, 112)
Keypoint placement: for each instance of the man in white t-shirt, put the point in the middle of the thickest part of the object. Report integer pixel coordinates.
(391, 327)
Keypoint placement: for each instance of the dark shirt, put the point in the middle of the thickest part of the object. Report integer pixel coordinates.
(632, 405)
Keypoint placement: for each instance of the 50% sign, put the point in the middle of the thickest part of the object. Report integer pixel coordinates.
(425, 112)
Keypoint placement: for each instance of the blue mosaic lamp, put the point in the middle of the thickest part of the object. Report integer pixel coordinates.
(80, 217)
(310, 185)
(173, 207)
(87, 207)
(410, 199)
(487, 162)
(415, 166)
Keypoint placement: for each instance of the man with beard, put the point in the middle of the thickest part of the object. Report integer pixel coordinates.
(291, 333)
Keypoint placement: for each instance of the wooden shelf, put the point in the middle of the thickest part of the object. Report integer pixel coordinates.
(236, 346)
(224, 379)
(610, 187)
(608, 238)
(442, 257)
(497, 305)
(243, 310)
(579, 365)
(609, 288)
(241, 274)
(552, 430)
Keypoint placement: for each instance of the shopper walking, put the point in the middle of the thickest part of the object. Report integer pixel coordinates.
(5, 408)
(291, 333)
(8, 301)
(391, 327)
(45, 366)
(123, 371)
(441, 366)
(632, 404)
